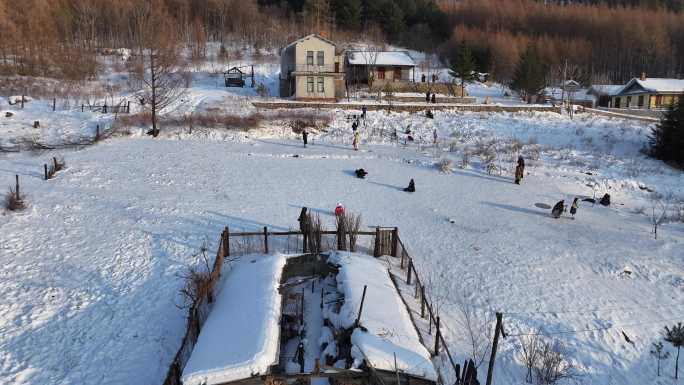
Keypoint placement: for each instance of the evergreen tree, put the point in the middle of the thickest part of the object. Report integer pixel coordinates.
(675, 336)
(347, 13)
(659, 354)
(528, 78)
(463, 66)
(667, 138)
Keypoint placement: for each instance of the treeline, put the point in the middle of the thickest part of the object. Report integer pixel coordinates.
(673, 5)
(60, 38)
(601, 43)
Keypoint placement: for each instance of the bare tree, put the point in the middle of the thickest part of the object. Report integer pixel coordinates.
(658, 211)
(162, 67)
(479, 327)
(553, 365)
(658, 352)
(530, 353)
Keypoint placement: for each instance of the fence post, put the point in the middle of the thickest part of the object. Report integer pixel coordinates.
(46, 172)
(227, 244)
(363, 298)
(54, 162)
(395, 241)
(17, 187)
(402, 258)
(376, 251)
(82, 107)
(104, 108)
(430, 324)
(438, 335)
(422, 301)
(22, 101)
(128, 107)
(408, 273)
(265, 239)
(495, 343)
(97, 132)
(54, 103)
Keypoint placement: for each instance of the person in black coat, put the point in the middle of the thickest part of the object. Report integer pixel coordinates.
(427, 97)
(605, 200)
(558, 209)
(411, 187)
(363, 112)
(305, 137)
(434, 99)
(360, 173)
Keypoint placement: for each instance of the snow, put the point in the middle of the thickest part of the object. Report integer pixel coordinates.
(388, 324)
(90, 272)
(381, 58)
(241, 336)
(607, 89)
(657, 85)
(580, 94)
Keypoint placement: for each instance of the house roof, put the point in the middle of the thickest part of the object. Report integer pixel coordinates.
(382, 58)
(579, 94)
(313, 35)
(657, 85)
(606, 89)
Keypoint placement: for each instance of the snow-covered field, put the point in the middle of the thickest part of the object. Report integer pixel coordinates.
(91, 270)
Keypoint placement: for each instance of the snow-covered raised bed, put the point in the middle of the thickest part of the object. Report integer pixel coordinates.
(241, 336)
(389, 329)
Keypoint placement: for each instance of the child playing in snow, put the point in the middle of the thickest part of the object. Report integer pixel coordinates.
(339, 210)
(355, 142)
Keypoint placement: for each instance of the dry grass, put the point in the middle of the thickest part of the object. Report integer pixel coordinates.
(445, 165)
(14, 201)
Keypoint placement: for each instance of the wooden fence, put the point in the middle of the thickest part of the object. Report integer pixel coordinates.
(381, 241)
(123, 107)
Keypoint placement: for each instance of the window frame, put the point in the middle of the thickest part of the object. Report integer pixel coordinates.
(320, 84)
(310, 84)
(320, 58)
(309, 58)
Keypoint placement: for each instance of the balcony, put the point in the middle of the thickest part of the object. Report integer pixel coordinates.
(313, 69)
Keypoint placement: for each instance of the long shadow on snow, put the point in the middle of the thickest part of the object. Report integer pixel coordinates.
(388, 185)
(516, 209)
(242, 224)
(317, 210)
(476, 174)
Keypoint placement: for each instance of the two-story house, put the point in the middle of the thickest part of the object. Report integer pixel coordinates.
(312, 68)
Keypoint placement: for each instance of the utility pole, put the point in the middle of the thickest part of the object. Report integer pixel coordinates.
(565, 74)
(495, 344)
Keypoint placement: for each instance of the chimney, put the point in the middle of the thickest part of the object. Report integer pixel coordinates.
(643, 76)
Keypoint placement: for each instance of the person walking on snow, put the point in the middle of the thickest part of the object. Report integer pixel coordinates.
(363, 112)
(518, 173)
(305, 137)
(521, 163)
(339, 210)
(355, 142)
(558, 209)
(573, 207)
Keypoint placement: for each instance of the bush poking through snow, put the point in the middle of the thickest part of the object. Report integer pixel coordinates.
(552, 364)
(14, 201)
(347, 226)
(197, 280)
(315, 233)
(55, 166)
(445, 165)
(465, 159)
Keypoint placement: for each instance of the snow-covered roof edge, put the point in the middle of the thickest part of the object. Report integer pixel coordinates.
(655, 85)
(388, 58)
(313, 35)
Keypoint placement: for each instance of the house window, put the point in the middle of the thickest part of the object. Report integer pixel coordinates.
(320, 59)
(381, 72)
(321, 85)
(659, 100)
(309, 58)
(310, 84)
(617, 102)
(629, 102)
(640, 101)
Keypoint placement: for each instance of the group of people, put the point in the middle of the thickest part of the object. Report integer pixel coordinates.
(559, 208)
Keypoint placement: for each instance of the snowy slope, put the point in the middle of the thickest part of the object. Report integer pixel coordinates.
(90, 272)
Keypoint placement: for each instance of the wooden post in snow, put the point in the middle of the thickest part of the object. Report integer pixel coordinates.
(97, 133)
(395, 241)
(227, 244)
(363, 298)
(495, 343)
(54, 104)
(438, 335)
(46, 171)
(16, 190)
(396, 369)
(376, 248)
(265, 240)
(408, 273)
(422, 301)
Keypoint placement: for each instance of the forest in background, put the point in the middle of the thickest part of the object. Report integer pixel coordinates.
(606, 41)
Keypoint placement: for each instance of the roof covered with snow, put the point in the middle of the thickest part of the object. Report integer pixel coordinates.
(580, 94)
(311, 36)
(660, 85)
(241, 336)
(606, 89)
(385, 317)
(383, 58)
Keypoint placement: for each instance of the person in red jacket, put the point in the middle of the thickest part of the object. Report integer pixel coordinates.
(339, 210)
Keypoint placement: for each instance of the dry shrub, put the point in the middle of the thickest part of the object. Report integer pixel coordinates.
(445, 165)
(55, 165)
(315, 236)
(465, 159)
(348, 226)
(197, 280)
(14, 201)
